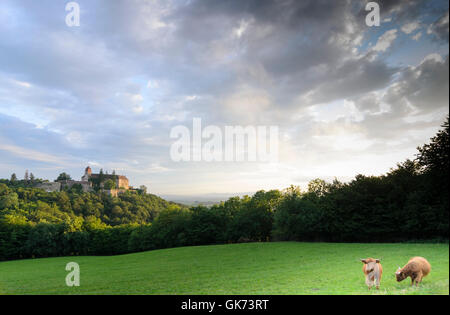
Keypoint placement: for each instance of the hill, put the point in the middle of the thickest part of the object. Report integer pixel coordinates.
(251, 268)
(38, 206)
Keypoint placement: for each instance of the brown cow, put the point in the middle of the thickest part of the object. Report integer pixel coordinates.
(373, 271)
(416, 268)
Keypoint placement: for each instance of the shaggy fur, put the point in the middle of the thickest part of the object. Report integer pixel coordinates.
(372, 270)
(416, 268)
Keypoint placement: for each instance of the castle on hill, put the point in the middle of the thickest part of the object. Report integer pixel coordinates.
(121, 181)
(88, 181)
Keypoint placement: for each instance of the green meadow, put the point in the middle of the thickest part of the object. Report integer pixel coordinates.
(251, 268)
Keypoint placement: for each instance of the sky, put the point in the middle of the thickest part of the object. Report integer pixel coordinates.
(347, 98)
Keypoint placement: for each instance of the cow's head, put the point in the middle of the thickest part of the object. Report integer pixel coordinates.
(370, 264)
(400, 275)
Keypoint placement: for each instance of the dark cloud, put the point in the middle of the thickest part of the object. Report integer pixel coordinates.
(440, 28)
(110, 90)
(353, 78)
(425, 87)
(401, 10)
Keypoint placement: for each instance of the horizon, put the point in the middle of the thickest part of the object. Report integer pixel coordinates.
(346, 98)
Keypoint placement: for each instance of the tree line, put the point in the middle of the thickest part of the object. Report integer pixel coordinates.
(409, 203)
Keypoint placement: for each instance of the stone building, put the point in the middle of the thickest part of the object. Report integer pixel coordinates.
(121, 181)
(68, 184)
(86, 183)
(49, 187)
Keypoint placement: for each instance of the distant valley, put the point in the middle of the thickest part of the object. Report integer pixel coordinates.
(203, 199)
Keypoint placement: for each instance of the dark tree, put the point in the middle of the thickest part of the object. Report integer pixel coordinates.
(63, 176)
(434, 157)
(101, 176)
(109, 184)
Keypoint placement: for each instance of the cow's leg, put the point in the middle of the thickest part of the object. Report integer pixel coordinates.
(377, 283)
(418, 278)
(413, 279)
(368, 282)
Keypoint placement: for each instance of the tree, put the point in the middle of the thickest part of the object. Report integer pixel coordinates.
(4, 190)
(76, 188)
(318, 187)
(9, 201)
(297, 218)
(117, 211)
(26, 177)
(63, 176)
(143, 189)
(434, 157)
(32, 178)
(253, 221)
(46, 240)
(64, 202)
(101, 176)
(93, 223)
(109, 184)
(13, 178)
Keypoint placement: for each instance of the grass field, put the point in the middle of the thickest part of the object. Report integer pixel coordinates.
(253, 268)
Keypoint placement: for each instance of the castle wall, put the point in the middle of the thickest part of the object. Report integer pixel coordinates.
(86, 186)
(122, 183)
(49, 187)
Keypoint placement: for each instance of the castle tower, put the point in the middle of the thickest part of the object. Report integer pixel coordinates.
(87, 174)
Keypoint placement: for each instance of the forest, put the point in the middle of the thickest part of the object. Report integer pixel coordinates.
(408, 204)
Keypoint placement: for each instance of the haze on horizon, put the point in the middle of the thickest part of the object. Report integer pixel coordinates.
(348, 99)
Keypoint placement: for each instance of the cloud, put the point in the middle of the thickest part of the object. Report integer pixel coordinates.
(30, 154)
(410, 27)
(385, 41)
(22, 141)
(402, 10)
(423, 87)
(440, 28)
(417, 36)
(111, 90)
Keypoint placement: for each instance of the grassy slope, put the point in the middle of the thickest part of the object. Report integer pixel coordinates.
(257, 268)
